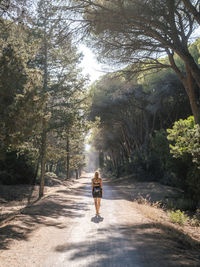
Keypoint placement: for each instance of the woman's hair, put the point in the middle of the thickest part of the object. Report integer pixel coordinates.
(96, 174)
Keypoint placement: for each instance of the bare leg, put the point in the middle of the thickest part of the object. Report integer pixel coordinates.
(96, 205)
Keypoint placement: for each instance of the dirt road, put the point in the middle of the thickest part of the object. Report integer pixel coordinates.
(62, 230)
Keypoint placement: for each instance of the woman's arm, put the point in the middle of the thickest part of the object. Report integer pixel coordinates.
(101, 184)
(92, 185)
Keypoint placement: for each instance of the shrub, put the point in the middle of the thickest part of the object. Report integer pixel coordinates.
(185, 145)
(185, 140)
(178, 216)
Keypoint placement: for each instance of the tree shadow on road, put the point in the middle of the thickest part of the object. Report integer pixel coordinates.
(146, 245)
(111, 192)
(44, 213)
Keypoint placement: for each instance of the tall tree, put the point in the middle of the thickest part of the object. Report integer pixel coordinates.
(21, 106)
(129, 114)
(58, 60)
(138, 31)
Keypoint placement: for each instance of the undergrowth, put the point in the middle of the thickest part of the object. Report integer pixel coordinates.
(175, 215)
(178, 216)
(175, 222)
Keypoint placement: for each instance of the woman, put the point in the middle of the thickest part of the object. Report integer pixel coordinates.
(97, 191)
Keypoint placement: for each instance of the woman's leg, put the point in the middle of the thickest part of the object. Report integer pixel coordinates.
(98, 204)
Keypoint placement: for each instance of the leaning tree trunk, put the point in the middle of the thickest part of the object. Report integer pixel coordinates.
(188, 84)
(190, 64)
(192, 98)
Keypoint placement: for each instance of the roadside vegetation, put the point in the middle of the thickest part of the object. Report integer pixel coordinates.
(183, 226)
(43, 95)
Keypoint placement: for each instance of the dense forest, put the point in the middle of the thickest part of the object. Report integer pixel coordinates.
(143, 116)
(43, 95)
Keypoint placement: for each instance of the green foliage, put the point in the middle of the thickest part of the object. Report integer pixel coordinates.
(195, 50)
(130, 119)
(195, 221)
(58, 60)
(178, 217)
(39, 62)
(21, 106)
(15, 169)
(185, 138)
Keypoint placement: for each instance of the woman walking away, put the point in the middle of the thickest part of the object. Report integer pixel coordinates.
(97, 191)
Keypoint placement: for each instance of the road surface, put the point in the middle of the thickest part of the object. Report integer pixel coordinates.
(62, 230)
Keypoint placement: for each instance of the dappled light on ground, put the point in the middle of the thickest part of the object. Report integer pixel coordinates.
(63, 230)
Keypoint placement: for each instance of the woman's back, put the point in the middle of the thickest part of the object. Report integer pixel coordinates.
(96, 181)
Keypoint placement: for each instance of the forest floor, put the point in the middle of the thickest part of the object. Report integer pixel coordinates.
(61, 229)
(15, 198)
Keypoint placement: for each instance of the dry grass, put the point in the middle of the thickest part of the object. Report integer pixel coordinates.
(14, 198)
(150, 210)
(186, 233)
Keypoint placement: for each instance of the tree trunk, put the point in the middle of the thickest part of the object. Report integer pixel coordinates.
(191, 64)
(44, 133)
(43, 162)
(36, 172)
(79, 172)
(67, 159)
(47, 167)
(188, 83)
(191, 94)
(57, 171)
(51, 167)
(76, 172)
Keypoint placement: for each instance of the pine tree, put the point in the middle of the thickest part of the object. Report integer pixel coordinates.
(21, 106)
(58, 60)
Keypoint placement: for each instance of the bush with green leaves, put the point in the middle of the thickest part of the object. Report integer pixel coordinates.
(178, 216)
(185, 145)
(185, 140)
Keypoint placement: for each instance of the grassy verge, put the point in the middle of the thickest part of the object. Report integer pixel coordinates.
(178, 224)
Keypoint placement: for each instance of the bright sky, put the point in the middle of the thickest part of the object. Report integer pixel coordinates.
(90, 65)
